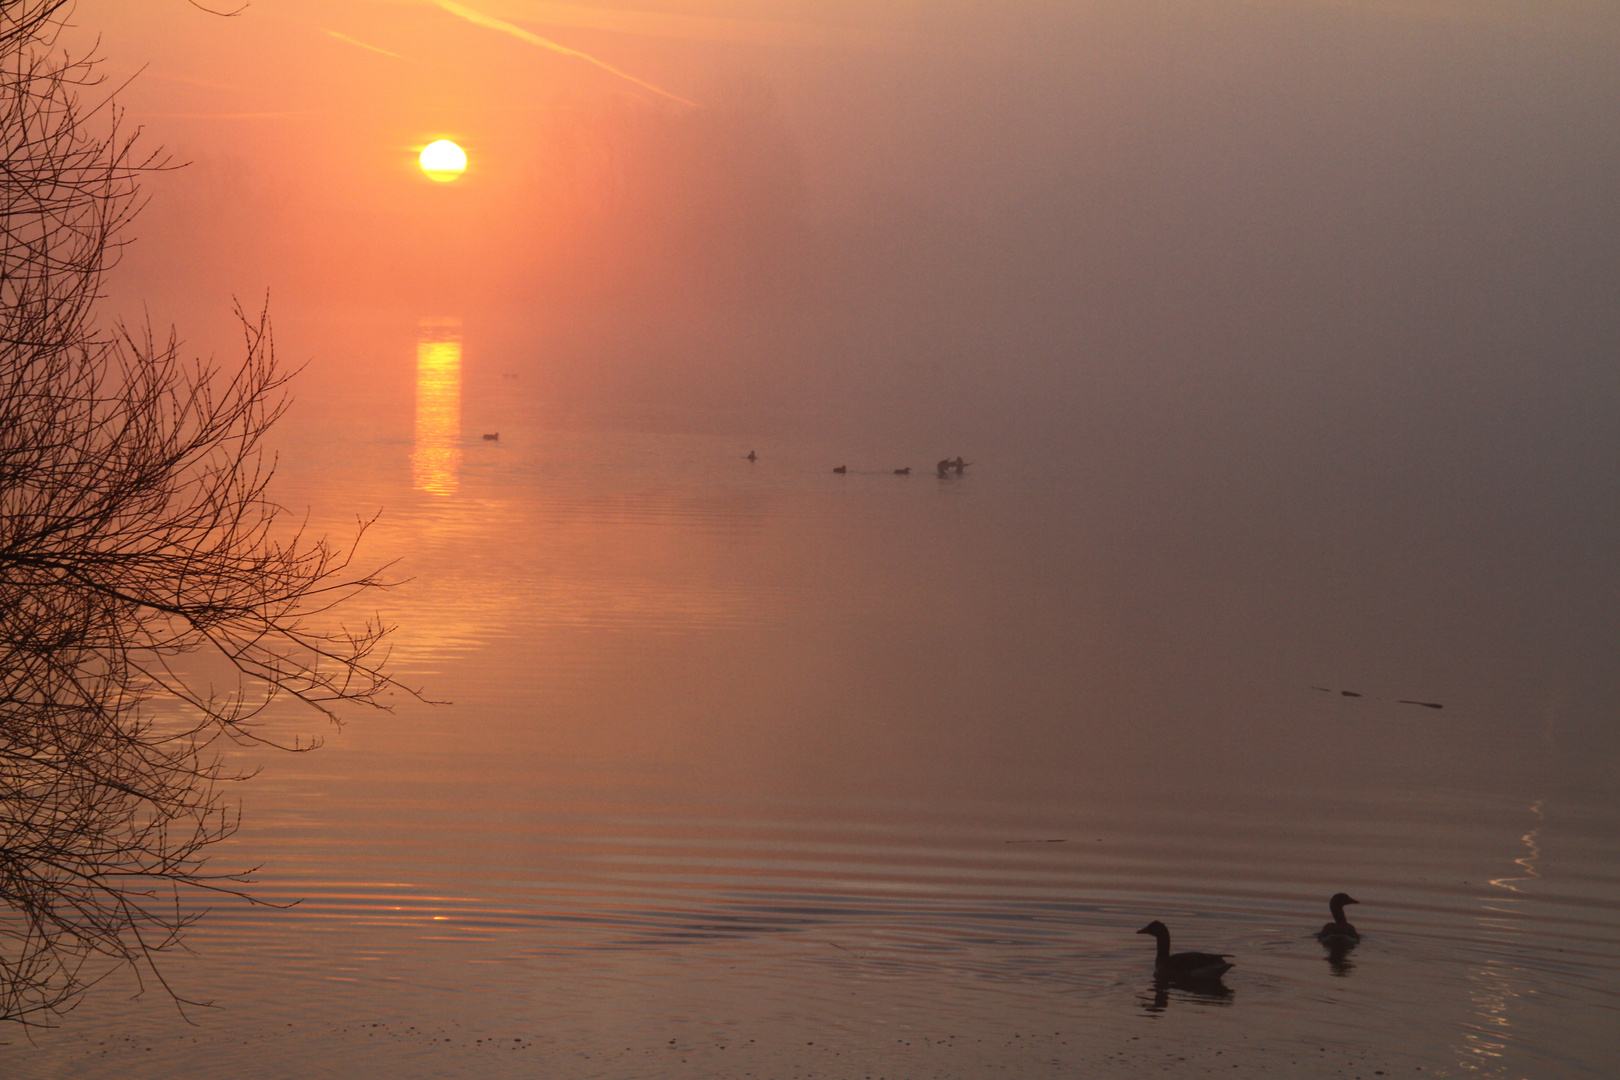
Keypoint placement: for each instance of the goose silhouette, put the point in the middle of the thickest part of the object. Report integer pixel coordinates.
(1339, 930)
(1185, 965)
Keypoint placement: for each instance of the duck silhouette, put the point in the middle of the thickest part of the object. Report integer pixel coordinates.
(752, 456)
(1339, 930)
(903, 472)
(1194, 966)
(841, 469)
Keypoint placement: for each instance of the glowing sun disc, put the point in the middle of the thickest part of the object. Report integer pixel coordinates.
(443, 160)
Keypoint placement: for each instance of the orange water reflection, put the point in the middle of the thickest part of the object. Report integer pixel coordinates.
(436, 457)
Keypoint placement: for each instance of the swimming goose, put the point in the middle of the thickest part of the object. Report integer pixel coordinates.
(1339, 929)
(1185, 965)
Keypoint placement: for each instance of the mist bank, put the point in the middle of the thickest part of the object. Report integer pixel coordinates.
(1221, 217)
(1349, 265)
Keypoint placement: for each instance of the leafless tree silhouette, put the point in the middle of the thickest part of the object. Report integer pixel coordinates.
(135, 529)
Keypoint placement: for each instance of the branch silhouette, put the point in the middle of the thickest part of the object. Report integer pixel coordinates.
(135, 529)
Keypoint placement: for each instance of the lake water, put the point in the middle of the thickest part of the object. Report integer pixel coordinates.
(751, 769)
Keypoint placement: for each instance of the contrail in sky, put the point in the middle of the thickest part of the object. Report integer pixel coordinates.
(535, 39)
(363, 45)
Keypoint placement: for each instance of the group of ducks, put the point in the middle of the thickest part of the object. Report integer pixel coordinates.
(946, 467)
(1209, 967)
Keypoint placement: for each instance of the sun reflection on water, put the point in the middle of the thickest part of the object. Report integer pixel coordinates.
(1527, 861)
(1495, 989)
(436, 457)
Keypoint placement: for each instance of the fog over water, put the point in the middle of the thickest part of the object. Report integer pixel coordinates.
(1282, 340)
(1347, 258)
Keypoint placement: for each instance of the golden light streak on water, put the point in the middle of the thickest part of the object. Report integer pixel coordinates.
(1526, 862)
(1495, 990)
(436, 457)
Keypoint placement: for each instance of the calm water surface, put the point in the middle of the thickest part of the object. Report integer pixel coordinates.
(758, 770)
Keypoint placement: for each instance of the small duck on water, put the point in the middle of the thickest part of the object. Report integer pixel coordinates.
(1339, 930)
(1186, 965)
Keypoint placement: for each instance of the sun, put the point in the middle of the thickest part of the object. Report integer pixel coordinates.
(443, 161)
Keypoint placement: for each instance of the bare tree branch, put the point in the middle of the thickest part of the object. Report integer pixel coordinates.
(135, 528)
(226, 14)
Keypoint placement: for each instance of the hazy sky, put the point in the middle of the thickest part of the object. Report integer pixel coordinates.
(1361, 230)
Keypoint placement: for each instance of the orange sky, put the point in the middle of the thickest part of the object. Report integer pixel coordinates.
(1014, 200)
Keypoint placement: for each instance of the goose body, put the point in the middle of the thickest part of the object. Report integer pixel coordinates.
(841, 469)
(1339, 929)
(1183, 965)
